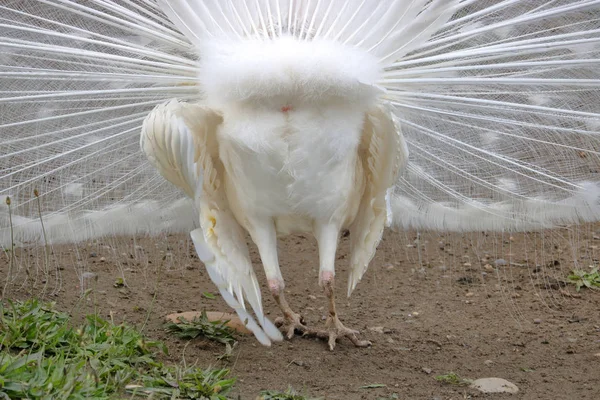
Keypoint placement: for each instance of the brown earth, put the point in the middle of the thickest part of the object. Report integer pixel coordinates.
(476, 305)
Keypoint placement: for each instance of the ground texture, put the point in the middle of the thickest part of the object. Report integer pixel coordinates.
(476, 305)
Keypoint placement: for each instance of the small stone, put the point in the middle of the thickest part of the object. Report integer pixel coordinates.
(488, 362)
(494, 385)
(102, 259)
(500, 261)
(467, 264)
(426, 370)
(377, 329)
(489, 268)
(537, 321)
(469, 294)
(593, 247)
(93, 255)
(389, 267)
(515, 295)
(415, 314)
(597, 355)
(89, 275)
(312, 297)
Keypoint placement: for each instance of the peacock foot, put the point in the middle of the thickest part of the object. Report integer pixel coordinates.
(290, 323)
(335, 329)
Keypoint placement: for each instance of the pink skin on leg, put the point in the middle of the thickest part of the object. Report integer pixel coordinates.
(326, 278)
(275, 286)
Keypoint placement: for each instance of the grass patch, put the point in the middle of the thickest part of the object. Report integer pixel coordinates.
(43, 356)
(581, 278)
(289, 394)
(201, 326)
(452, 379)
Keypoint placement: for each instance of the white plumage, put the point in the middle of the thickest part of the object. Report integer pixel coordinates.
(277, 116)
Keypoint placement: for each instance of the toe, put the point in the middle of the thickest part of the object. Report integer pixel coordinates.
(332, 338)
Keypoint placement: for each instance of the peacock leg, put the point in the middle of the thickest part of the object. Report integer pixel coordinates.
(264, 235)
(327, 237)
(335, 328)
(291, 321)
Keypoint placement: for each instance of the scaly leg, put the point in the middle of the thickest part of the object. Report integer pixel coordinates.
(327, 237)
(264, 235)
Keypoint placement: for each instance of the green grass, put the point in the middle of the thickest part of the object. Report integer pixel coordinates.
(452, 379)
(581, 278)
(43, 356)
(289, 394)
(217, 331)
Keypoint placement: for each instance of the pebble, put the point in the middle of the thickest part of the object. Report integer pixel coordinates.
(377, 329)
(597, 355)
(494, 385)
(102, 259)
(488, 362)
(312, 297)
(537, 321)
(489, 268)
(501, 261)
(469, 294)
(89, 275)
(426, 370)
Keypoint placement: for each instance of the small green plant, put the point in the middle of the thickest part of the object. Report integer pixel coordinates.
(289, 394)
(119, 283)
(581, 278)
(373, 386)
(201, 326)
(452, 379)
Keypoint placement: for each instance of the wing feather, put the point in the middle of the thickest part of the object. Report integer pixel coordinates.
(384, 154)
(179, 139)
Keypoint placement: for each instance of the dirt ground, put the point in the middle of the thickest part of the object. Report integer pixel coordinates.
(474, 304)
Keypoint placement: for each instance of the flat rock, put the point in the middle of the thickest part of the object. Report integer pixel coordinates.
(494, 385)
(234, 323)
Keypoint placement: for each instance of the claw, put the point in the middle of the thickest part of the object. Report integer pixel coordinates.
(336, 329)
(291, 323)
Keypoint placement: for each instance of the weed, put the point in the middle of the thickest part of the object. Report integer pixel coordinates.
(581, 278)
(289, 394)
(452, 379)
(201, 326)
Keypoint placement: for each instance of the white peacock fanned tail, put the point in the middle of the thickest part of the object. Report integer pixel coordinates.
(498, 102)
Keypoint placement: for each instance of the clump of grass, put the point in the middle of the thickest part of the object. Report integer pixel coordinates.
(201, 326)
(289, 394)
(43, 356)
(581, 278)
(452, 379)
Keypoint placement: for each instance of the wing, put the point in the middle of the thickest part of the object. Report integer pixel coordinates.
(383, 154)
(180, 140)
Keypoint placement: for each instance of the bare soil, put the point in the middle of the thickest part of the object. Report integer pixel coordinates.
(474, 304)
